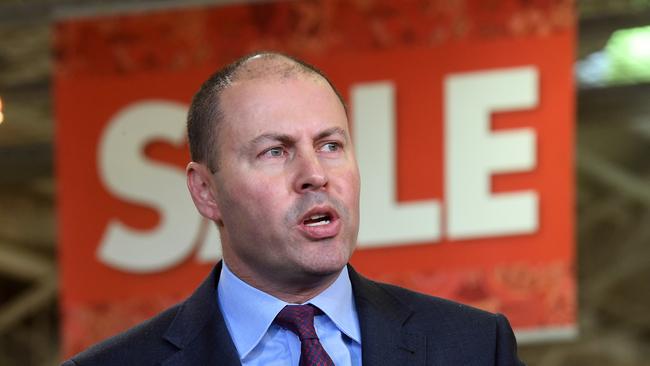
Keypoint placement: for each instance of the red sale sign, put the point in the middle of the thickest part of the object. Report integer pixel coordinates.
(462, 118)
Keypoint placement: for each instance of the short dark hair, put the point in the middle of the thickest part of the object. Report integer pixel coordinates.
(205, 113)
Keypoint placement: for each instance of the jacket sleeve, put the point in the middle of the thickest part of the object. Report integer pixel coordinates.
(506, 347)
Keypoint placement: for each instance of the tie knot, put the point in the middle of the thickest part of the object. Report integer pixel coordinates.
(299, 319)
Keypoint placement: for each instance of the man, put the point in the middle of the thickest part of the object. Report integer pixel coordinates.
(274, 168)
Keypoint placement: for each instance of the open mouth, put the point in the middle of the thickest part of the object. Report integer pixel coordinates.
(320, 223)
(318, 220)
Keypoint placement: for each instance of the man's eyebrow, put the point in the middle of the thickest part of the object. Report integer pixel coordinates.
(332, 131)
(286, 139)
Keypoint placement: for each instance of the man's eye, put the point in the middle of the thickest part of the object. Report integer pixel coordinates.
(331, 147)
(274, 152)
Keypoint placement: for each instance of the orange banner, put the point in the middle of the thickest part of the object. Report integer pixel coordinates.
(462, 115)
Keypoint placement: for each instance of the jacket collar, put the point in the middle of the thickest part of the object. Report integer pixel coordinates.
(199, 330)
(385, 337)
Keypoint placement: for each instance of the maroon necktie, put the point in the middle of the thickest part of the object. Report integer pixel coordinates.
(300, 320)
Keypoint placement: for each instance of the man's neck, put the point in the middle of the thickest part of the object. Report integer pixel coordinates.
(296, 290)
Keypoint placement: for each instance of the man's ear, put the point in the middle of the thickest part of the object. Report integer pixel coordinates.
(201, 185)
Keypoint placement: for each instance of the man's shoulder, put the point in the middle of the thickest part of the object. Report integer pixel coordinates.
(420, 302)
(141, 343)
(163, 336)
(454, 333)
(426, 310)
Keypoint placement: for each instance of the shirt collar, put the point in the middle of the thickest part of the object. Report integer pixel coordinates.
(337, 303)
(249, 312)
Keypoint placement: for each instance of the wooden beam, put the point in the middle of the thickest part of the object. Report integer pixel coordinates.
(22, 163)
(41, 294)
(614, 177)
(23, 265)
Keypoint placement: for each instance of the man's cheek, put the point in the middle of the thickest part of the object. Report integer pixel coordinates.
(352, 185)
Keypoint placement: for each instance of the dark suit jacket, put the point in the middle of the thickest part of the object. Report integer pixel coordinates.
(398, 327)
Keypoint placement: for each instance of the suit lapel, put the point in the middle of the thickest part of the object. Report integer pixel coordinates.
(199, 330)
(384, 337)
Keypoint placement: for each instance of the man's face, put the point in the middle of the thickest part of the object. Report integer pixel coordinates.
(288, 183)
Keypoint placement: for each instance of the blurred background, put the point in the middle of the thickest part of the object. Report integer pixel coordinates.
(612, 78)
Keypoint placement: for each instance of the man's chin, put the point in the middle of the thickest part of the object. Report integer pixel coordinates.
(324, 270)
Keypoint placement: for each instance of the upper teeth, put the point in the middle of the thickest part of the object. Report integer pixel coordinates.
(314, 218)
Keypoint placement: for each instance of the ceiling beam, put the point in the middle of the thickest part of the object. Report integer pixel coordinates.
(39, 11)
(23, 163)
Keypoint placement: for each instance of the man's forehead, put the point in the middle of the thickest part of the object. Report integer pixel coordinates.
(259, 88)
(257, 92)
(266, 93)
(261, 107)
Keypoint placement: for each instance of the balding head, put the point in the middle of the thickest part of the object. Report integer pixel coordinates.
(206, 114)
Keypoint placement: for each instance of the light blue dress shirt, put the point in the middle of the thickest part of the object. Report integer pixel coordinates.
(249, 315)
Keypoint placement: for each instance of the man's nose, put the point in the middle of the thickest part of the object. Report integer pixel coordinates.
(310, 174)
